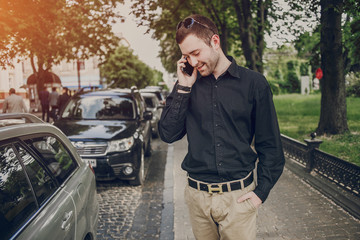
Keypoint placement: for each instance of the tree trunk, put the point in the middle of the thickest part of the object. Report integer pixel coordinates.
(249, 35)
(262, 10)
(333, 118)
(224, 39)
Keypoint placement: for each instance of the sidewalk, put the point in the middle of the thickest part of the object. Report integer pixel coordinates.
(294, 210)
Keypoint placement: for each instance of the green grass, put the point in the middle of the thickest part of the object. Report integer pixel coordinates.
(299, 115)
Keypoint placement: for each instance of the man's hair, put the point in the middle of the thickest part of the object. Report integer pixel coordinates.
(12, 91)
(200, 31)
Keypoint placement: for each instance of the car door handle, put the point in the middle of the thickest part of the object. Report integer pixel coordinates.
(67, 218)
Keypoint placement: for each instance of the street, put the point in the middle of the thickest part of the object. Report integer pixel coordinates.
(128, 212)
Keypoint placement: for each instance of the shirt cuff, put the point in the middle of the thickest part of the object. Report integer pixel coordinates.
(261, 194)
(178, 104)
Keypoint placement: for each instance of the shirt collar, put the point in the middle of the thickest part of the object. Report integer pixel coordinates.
(233, 69)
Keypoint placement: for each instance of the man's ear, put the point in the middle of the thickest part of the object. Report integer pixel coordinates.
(215, 41)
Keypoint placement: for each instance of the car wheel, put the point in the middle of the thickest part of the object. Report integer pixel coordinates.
(148, 148)
(140, 176)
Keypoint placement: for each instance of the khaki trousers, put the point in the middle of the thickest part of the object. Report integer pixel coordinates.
(219, 215)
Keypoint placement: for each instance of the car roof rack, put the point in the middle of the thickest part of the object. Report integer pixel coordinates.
(29, 118)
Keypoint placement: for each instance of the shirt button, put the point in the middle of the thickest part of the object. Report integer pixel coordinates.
(215, 86)
(220, 164)
(218, 145)
(214, 105)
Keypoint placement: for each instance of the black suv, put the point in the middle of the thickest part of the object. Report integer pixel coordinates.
(111, 130)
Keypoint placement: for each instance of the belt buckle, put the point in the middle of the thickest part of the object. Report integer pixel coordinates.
(213, 189)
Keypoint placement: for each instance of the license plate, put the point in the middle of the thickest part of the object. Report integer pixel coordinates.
(92, 162)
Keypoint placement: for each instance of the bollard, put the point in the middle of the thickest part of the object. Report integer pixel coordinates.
(312, 144)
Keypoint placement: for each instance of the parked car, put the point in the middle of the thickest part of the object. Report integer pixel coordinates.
(111, 130)
(157, 91)
(153, 104)
(46, 190)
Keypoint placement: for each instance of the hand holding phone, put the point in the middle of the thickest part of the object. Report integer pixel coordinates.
(186, 73)
(188, 69)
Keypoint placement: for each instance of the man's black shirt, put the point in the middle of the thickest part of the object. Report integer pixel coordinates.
(221, 117)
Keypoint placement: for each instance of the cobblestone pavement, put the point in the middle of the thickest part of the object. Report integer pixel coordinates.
(128, 212)
(118, 202)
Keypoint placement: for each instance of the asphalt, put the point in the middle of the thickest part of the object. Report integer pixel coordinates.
(294, 210)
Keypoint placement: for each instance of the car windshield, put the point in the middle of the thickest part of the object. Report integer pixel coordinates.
(100, 107)
(149, 102)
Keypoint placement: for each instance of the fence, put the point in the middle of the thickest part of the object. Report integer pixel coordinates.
(344, 174)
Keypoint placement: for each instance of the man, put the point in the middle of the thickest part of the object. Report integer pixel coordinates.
(64, 97)
(222, 108)
(14, 103)
(44, 100)
(53, 101)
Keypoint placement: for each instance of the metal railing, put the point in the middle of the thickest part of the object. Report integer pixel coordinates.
(343, 173)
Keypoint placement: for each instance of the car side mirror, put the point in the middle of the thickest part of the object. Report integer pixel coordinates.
(148, 115)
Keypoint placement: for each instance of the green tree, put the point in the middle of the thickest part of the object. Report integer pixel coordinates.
(333, 52)
(122, 69)
(49, 31)
(292, 78)
(241, 23)
(308, 47)
(157, 78)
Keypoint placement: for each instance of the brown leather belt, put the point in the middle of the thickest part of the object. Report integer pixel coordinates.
(223, 186)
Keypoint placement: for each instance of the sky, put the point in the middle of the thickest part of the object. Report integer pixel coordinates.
(146, 48)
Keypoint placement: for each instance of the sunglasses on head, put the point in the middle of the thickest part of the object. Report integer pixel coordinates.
(189, 22)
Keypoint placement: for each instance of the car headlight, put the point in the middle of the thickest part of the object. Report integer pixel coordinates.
(120, 145)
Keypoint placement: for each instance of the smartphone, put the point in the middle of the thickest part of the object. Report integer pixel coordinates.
(188, 69)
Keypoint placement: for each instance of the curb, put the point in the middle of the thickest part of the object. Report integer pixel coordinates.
(167, 214)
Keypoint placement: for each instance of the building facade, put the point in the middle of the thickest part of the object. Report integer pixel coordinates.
(73, 75)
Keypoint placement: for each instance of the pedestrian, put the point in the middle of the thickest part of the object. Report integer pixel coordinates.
(53, 101)
(14, 103)
(64, 97)
(222, 108)
(44, 101)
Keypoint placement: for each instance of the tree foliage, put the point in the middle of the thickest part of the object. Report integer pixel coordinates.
(308, 47)
(241, 23)
(123, 69)
(49, 31)
(338, 44)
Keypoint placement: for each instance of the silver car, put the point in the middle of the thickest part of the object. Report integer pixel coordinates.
(46, 190)
(153, 105)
